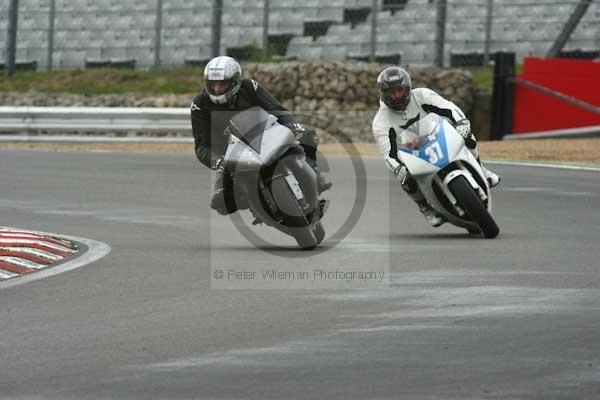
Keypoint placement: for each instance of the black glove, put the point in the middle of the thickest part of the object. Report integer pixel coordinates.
(298, 129)
(219, 164)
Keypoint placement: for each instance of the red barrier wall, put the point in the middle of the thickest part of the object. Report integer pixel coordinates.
(535, 111)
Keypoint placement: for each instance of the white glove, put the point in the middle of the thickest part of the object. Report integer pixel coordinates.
(463, 127)
(401, 174)
(400, 171)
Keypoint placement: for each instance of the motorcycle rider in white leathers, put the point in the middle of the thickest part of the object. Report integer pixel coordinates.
(400, 107)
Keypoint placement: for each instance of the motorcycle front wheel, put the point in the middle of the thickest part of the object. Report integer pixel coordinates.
(295, 222)
(308, 238)
(472, 204)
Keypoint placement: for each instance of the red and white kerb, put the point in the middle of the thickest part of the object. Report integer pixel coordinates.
(23, 252)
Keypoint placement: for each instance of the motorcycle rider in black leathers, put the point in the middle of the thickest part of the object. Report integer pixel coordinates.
(225, 94)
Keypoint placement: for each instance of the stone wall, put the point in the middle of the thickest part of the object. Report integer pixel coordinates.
(338, 98)
(342, 96)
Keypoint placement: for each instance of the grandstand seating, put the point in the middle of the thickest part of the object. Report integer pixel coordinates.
(110, 28)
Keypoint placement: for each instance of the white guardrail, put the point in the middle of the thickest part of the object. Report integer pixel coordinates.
(586, 131)
(94, 119)
(148, 119)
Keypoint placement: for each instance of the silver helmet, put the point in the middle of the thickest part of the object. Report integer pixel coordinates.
(222, 79)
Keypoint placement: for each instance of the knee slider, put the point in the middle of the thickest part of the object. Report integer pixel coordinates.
(471, 142)
(410, 185)
(309, 138)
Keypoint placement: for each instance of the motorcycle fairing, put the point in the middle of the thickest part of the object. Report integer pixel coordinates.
(433, 150)
(246, 153)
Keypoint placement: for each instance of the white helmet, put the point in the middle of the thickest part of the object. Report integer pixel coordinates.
(222, 79)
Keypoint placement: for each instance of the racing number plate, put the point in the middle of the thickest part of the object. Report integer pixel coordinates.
(295, 186)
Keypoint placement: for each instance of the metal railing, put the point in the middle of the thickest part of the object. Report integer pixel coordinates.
(149, 120)
(94, 119)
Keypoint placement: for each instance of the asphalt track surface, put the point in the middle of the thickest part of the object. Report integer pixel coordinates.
(460, 317)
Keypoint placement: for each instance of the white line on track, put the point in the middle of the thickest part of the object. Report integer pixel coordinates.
(559, 166)
(96, 250)
(525, 164)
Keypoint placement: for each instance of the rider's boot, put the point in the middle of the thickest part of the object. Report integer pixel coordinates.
(492, 178)
(323, 183)
(221, 201)
(433, 217)
(310, 141)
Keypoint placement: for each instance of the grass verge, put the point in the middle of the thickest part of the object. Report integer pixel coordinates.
(106, 81)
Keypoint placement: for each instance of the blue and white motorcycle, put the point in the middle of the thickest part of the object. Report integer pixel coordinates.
(448, 175)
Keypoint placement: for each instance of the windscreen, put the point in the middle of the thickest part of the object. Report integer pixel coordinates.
(420, 132)
(249, 126)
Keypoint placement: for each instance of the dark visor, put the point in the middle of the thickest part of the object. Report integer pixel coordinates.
(400, 90)
(224, 86)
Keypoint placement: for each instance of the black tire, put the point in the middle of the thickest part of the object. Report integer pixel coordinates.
(306, 239)
(319, 232)
(295, 223)
(472, 204)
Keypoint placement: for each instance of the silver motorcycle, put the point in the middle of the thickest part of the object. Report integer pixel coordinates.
(272, 178)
